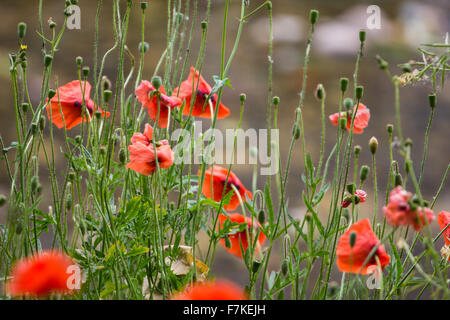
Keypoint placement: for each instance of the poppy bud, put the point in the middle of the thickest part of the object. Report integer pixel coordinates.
(373, 145)
(71, 176)
(261, 216)
(285, 267)
(398, 180)
(106, 83)
(352, 239)
(242, 97)
(255, 266)
(85, 71)
(69, 202)
(359, 90)
(390, 128)
(21, 29)
(408, 142)
(78, 139)
(51, 23)
(276, 100)
(351, 188)
(313, 16)
(2, 200)
(432, 100)
(320, 92)
(42, 123)
(343, 123)
(296, 132)
(227, 242)
(34, 128)
(357, 150)
(79, 61)
(344, 84)
(156, 82)
(364, 172)
(34, 184)
(348, 103)
(47, 60)
(204, 24)
(144, 47)
(51, 93)
(107, 94)
(122, 155)
(144, 5)
(25, 107)
(362, 35)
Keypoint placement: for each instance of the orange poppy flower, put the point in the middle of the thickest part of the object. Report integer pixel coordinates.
(217, 290)
(142, 153)
(147, 94)
(71, 98)
(39, 275)
(202, 91)
(351, 259)
(361, 119)
(219, 176)
(399, 211)
(443, 220)
(240, 237)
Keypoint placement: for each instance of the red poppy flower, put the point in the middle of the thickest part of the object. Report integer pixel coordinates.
(41, 274)
(217, 290)
(351, 259)
(360, 197)
(361, 119)
(399, 211)
(240, 237)
(219, 176)
(147, 94)
(443, 220)
(200, 93)
(71, 98)
(142, 153)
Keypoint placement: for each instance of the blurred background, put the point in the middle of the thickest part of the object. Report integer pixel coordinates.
(404, 26)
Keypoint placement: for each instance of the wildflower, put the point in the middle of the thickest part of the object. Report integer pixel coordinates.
(142, 152)
(217, 290)
(40, 275)
(240, 237)
(402, 211)
(443, 220)
(352, 258)
(150, 97)
(360, 122)
(360, 197)
(200, 108)
(71, 99)
(214, 185)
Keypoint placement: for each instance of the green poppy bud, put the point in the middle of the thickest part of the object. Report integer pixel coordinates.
(364, 172)
(42, 123)
(242, 97)
(144, 5)
(357, 150)
(34, 128)
(21, 29)
(25, 107)
(296, 132)
(344, 84)
(261, 217)
(313, 16)
(359, 90)
(398, 180)
(47, 60)
(390, 128)
(348, 103)
(320, 92)
(85, 71)
(362, 35)
(343, 123)
(285, 267)
(373, 145)
(432, 100)
(255, 266)
(107, 94)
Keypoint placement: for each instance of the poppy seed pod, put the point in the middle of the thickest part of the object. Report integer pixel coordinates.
(364, 172)
(2, 200)
(51, 23)
(78, 139)
(144, 5)
(344, 84)
(276, 100)
(71, 176)
(34, 128)
(359, 91)
(21, 29)
(143, 46)
(25, 107)
(242, 97)
(156, 82)
(352, 239)
(390, 128)
(362, 35)
(348, 103)
(85, 71)
(343, 123)
(79, 61)
(98, 114)
(204, 24)
(357, 150)
(408, 142)
(373, 145)
(47, 60)
(313, 16)
(320, 92)
(107, 94)
(51, 93)
(432, 100)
